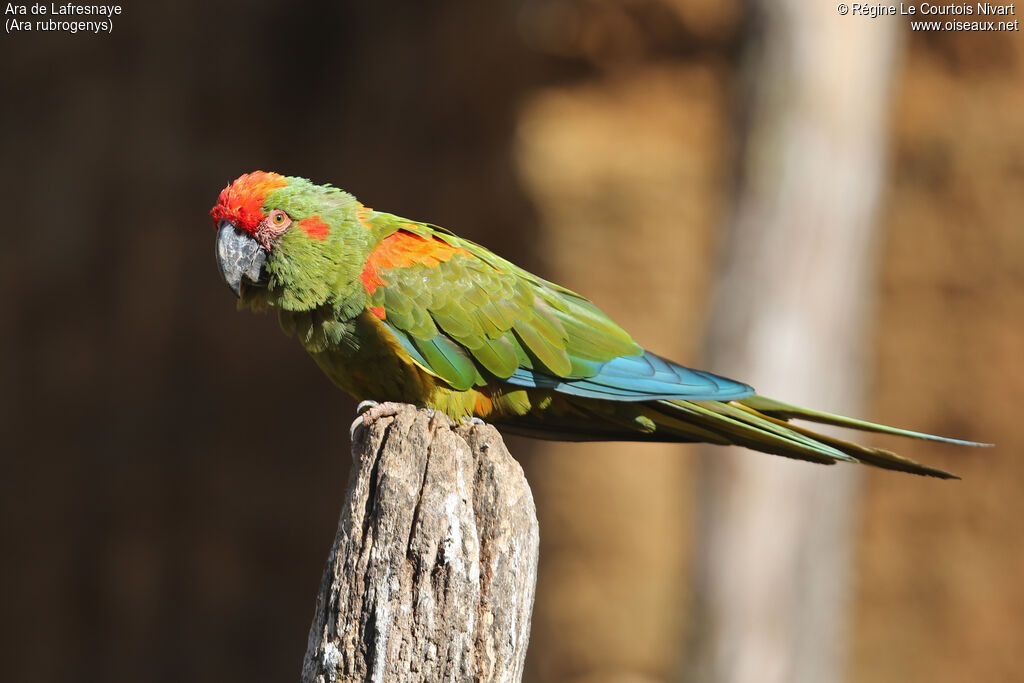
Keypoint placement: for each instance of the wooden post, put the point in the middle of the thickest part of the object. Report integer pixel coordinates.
(433, 569)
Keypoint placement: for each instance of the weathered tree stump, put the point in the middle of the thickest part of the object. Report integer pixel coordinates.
(432, 573)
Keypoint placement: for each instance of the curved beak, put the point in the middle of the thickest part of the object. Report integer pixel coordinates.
(239, 257)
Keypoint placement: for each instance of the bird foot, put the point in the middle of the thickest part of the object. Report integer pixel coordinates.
(472, 421)
(371, 411)
(438, 420)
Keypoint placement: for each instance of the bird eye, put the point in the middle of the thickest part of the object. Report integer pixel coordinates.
(279, 218)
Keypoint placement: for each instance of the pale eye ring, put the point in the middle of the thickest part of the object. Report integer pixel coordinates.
(279, 219)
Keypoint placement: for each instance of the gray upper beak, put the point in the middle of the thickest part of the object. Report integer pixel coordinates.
(238, 256)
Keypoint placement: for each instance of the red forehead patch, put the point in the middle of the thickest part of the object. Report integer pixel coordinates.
(241, 202)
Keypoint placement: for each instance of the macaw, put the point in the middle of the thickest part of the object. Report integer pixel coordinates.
(402, 311)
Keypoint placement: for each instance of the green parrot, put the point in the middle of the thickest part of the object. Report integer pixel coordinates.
(401, 311)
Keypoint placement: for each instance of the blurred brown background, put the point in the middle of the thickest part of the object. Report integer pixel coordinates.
(173, 470)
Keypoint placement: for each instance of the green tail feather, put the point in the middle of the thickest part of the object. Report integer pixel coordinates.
(762, 423)
(786, 411)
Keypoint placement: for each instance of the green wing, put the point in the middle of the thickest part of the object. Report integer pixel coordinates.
(475, 314)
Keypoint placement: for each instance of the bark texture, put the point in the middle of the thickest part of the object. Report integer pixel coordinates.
(433, 569)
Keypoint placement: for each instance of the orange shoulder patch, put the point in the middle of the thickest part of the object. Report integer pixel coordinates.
(405, 249)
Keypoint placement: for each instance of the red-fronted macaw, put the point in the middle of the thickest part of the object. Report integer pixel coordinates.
(401, 311)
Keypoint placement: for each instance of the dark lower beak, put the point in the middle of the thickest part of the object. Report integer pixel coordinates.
(239, 257)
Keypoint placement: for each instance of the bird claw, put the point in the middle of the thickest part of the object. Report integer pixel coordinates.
(439, 420)
(365, 405)
(371, 411)
(472, 421)
(356, 424)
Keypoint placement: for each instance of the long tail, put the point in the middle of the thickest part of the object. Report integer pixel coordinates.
(755, 422)
(762, 424)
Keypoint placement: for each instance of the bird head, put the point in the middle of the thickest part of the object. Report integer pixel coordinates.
(285, 241)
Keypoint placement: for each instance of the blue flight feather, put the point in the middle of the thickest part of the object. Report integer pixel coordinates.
(639, 378)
